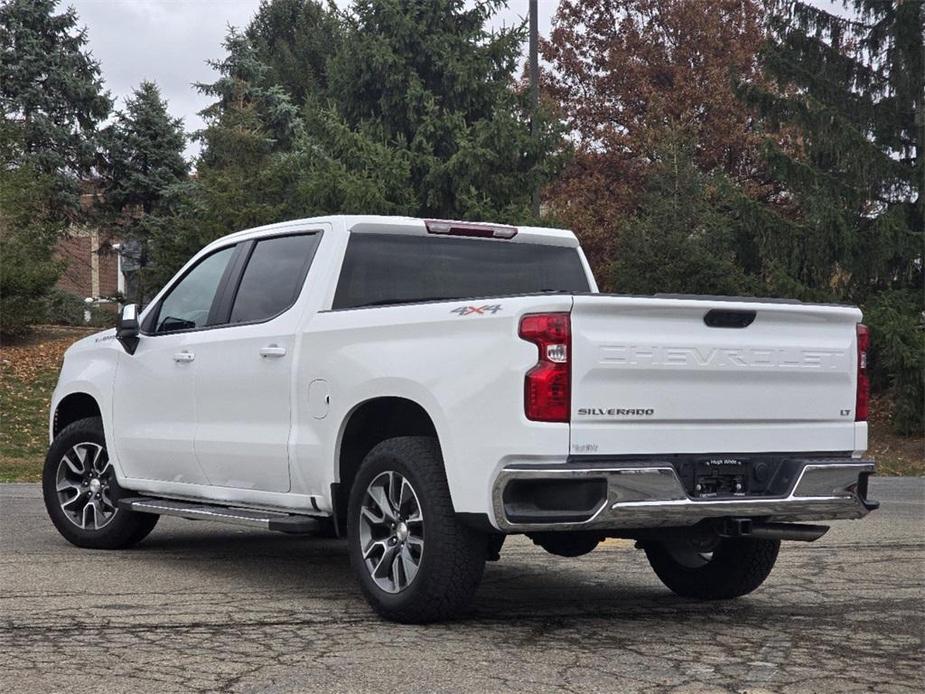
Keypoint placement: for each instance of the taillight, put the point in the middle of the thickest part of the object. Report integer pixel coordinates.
(862, 403)
(548, 386)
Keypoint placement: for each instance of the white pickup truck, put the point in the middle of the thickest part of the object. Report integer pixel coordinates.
(427, 387)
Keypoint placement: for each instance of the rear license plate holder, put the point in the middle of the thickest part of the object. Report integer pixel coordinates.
(721, 477)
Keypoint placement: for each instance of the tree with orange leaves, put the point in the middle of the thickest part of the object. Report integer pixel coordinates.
(630, 74)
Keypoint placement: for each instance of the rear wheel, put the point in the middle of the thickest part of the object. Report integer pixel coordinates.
(80, 491)
(729, 569)
(415, 561)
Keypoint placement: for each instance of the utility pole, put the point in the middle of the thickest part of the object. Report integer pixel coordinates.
(534, 90)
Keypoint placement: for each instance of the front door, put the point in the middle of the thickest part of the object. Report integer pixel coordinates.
(154, 403)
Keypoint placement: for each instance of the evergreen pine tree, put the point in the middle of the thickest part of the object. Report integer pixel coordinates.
(432, 79)
(28, 229)
(849, 88)
(52, 101)
(144, 153)
(848, 97)
(51, 91)
(295, 39)
(251, 116)
(142, 163)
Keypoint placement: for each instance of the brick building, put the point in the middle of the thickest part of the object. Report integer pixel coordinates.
(93, 265)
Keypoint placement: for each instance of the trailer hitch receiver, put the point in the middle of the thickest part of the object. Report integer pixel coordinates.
(747, 527)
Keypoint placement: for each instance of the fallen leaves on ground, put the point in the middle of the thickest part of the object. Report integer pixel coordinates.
(29, 372)
(42, 350)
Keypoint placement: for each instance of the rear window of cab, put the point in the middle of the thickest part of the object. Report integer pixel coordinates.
(383, 269)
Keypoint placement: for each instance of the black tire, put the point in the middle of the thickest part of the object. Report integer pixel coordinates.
(736, 567)
(124, 528)
(453, 555)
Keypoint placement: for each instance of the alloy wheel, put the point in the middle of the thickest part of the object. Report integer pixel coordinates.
(84, 483)
(391, 532)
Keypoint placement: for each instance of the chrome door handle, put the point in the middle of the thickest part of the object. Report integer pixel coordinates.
(272, 351)
(183, 356)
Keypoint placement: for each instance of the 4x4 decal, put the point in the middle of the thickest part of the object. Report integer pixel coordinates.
(476, 310)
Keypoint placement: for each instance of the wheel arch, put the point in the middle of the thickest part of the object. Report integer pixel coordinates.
(367, 424)
(73, 407)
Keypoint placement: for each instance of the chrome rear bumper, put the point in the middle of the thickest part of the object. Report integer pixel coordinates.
(651, 495)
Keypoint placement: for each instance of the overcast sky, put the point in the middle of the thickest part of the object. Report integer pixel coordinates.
(169, 42)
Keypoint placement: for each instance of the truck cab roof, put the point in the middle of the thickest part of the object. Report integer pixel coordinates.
(414, 226)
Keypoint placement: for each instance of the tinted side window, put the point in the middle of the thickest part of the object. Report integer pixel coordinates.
(390, 268)
(273, 277)
(187, 305)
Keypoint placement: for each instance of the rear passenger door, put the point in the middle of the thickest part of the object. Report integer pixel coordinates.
(244, 369)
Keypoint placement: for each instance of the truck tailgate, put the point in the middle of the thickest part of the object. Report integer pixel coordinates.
(683, 375)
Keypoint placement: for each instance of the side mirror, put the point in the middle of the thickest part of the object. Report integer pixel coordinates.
(127, 328)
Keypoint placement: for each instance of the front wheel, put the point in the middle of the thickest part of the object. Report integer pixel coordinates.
(415, 561)
(730, 569)
(80, 491)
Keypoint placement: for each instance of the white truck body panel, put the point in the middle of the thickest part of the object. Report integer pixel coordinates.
(466, 372)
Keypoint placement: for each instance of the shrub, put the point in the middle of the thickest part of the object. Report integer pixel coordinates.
(27, 272)
(27, 233)
(63, 308)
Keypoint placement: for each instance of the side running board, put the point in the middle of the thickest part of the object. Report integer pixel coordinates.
(268, 520)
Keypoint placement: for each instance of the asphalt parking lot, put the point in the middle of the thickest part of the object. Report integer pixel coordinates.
(205, 607)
